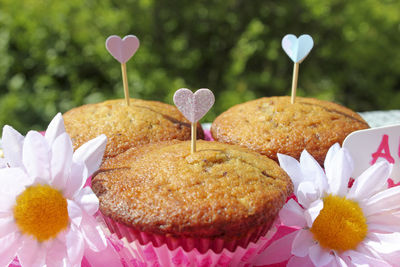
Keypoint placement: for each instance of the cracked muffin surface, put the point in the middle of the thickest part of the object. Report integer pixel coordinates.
(125, 126)
(219, 191)
(272, 125)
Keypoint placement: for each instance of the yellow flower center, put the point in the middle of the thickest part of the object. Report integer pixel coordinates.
(41, 211)
(340, 225)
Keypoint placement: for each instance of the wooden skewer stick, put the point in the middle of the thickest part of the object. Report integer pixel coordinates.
(294, 81)
(194, 137)
(125, 82)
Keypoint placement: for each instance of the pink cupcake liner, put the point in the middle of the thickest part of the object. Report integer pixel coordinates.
(187, 243)
(133, 253)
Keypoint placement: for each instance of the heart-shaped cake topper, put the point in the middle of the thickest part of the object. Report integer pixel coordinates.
(122, 49)
(297, 48)
(194, 105)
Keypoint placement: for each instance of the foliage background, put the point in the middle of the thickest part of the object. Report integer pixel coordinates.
(52, 54)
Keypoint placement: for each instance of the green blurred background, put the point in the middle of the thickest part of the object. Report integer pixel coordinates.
(53, 58)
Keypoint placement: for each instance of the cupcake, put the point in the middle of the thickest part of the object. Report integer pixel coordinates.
(213, 204)
(272, 125)
(125, 126)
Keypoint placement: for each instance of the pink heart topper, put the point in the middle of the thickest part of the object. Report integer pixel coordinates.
(122, 49)
(194, 106)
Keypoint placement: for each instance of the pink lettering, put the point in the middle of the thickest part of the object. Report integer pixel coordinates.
(383, 151)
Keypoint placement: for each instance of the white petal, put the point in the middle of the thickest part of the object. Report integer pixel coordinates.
(7, 226)
(292, 167)
(13, 181)
(9, 246)
(3, 163)
(57, 254)
(35, 156)
(94, 236)
(61, 160)
(311, 169)
(55, 129)
(313, 211)
(31, 253)
(341, 262)
(76, 180)
(302, 243)
(330, 155)
(384, 222)
(319, 256)
(383, 201)
(292, 214)
(338, 172)
(360, 259)
(75, 244)
(12, 146)
(371, 181)
(279, 250)
(307, 194)
(74, 212)
(384, 243)
(300, 261)
(91, 153)
(87, 200)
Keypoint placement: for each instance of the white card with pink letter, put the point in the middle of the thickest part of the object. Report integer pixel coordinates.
(372, 145)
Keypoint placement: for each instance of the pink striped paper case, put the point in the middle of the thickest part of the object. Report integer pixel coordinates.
(137, 248)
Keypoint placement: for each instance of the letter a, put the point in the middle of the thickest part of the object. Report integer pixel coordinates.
(383, 151)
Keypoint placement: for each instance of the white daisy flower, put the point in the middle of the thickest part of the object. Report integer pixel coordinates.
(45, 212)
(338, 226)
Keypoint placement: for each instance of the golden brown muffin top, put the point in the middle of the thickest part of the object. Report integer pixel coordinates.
(221, 190)
(272, 125)
(125, 126)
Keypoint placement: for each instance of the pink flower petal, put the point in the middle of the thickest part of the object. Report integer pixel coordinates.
(75, 244)
(387, 200)
(302, 243)
(292, 214)
(55, 129)
(12, 142)
(341, 262)
(56, 253)
(61, 160)
(31, 253)
(7, 226)
(9, 246)
(278, 251)
(74, 213)
(320, 257)
(93, 234)
(87, 200)
(359, 259)
(313, 172)
(76, 180)
(36, 156)
(371, 181)
(338, 172)
(91, 153)
(383, 222)
(300, 262)
(384, 243)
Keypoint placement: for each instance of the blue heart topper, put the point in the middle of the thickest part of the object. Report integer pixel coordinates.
(297, 48)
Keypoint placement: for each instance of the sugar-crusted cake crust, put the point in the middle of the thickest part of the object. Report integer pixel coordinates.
(141, 123)
(219, 191)
(272, 125)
